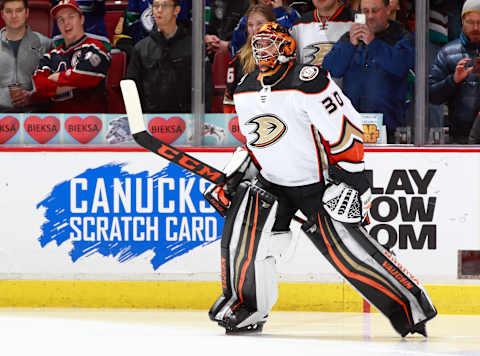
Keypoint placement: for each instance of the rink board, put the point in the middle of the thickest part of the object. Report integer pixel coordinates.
(124, 228)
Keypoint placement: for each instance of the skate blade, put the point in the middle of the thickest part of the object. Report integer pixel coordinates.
(247, 330)
(420, 329)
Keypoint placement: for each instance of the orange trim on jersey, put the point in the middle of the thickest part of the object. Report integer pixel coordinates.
(326, 147)
(254, 159)
(229, 109)
(246, 264)
(357, 276)
(317, 17)
(317, 151)
(354, 152)
(340, 9)
(233, 59)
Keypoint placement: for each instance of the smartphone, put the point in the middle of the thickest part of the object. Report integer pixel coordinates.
(360, 18)
(476, 65)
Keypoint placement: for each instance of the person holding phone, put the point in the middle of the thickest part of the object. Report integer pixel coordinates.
(374, 59)
(455, 76)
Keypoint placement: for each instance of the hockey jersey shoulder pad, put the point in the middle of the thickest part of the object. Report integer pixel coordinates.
(310, 79)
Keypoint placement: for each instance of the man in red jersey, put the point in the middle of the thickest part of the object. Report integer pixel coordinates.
(73, 74)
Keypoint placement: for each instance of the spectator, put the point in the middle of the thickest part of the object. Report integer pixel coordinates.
(137, 22)
(454, 77)
(454, 10)
(244, 62)
(302, 7)
(398, 12)
(317, 31)
(438, 35)
(73, 75)
(220, 15)
(20, 51)
(161, 63)
(284, 16)
(94, 13)
(374, 60)
(225, 16)
(353, 4)
(394, 7)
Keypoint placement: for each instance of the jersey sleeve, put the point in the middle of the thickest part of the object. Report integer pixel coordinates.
(234, 74)
(285, 18)
(238, 36)
(43, 88)
(338, 123)
(90, 70)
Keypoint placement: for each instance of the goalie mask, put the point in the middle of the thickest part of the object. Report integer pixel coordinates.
(272, 45)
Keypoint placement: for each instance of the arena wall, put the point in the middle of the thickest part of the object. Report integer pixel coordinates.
(122, 228)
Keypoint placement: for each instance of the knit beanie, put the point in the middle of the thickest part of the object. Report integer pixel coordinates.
(470, 6)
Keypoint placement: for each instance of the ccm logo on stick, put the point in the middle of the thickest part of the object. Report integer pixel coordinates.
(191, 164)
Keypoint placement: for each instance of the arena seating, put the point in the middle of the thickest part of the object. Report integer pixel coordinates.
(220, 65)
(41, 21)
(117, 71)
(113, 11)
(39, 18)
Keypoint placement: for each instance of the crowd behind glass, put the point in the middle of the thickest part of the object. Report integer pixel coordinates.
(367, 46)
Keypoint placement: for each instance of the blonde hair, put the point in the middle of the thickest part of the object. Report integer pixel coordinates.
(245, 53)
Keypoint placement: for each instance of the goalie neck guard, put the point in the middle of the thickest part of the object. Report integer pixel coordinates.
(272, 46)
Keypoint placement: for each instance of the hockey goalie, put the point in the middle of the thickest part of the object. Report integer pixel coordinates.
(304, 152)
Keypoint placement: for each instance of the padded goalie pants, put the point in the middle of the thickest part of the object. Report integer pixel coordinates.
(249, 279)
(373, 271)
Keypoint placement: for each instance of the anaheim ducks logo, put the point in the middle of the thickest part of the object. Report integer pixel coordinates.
(317, 51)
(269, 129)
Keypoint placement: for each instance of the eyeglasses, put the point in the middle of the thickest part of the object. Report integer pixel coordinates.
(472, 23)
(162, 6)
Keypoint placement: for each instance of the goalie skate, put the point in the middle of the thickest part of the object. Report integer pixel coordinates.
(243, 321)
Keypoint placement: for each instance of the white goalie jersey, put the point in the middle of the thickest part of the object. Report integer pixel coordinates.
(315, 38)
(299, 125)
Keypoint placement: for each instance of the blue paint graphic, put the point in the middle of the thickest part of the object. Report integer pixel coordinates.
(109, 211)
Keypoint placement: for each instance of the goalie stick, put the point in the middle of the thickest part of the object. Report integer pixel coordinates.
(161, 148)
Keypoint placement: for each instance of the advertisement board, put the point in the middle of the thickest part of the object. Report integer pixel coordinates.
(133, 215)
(219, 130)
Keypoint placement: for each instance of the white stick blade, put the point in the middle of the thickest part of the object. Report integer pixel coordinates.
(133, 106)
